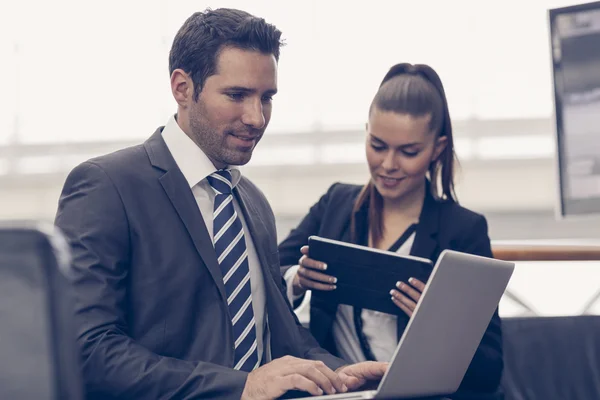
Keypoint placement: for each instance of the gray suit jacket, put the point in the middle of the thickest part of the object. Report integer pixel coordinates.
(150, 301)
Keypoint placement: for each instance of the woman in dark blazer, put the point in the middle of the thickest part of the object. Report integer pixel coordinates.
(408, 206)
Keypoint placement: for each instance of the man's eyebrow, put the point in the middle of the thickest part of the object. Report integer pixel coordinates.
(238, 89)
(247, 90)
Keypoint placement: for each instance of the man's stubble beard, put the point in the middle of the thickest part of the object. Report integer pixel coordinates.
(214, 144)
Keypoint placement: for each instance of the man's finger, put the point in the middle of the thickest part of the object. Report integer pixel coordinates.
(351, 382)
(335, 379)
(304, 250)
(374, 370)
(298, 382)
(317, 372)
(409, 290)
(368, 370)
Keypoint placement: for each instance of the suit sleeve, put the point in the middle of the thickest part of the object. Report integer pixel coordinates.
(93, 218)
(485, 370)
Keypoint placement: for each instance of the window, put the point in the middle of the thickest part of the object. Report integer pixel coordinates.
(80, 71)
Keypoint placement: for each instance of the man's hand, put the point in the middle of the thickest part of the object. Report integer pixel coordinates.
(407, 296)
(361, 375)
(290, 373)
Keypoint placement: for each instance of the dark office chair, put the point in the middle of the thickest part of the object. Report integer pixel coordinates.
(38, 354)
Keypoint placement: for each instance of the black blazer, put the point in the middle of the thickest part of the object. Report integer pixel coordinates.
(442, 225)
(151, 308)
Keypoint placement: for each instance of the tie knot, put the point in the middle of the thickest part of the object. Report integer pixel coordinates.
(220, 181)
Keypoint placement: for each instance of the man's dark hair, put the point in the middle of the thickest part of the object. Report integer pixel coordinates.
(203, 36)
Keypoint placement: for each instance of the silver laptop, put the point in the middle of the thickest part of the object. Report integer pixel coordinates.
(445, 330)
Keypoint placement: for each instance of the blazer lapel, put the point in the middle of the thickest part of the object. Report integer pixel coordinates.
(426, 242)
(361, 221)
(182, 198)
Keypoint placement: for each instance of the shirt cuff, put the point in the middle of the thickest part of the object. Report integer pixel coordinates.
(289, 279)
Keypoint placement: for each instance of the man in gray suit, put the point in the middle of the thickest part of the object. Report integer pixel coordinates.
(176, 271)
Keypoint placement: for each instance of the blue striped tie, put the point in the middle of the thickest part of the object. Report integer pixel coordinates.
(230, 246)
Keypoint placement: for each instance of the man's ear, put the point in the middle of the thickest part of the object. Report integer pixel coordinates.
(182, 88)
(440, 145)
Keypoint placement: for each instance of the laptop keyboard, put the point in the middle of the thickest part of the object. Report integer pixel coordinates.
(367, 394)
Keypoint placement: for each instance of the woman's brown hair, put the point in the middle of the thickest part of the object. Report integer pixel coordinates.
(415, 90)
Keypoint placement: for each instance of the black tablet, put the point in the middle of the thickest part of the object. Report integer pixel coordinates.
(365, 275)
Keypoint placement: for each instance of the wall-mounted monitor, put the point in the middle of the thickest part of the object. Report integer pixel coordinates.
(575, 43)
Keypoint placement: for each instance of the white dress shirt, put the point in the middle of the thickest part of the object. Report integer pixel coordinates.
(380, 329)
(196, 166)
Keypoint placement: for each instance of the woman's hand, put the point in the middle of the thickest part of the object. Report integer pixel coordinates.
(309, 276)
(408, 294)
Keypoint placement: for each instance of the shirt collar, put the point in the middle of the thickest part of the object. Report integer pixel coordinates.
(191, 160)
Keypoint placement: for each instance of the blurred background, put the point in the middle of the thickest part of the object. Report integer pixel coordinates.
(79, 79)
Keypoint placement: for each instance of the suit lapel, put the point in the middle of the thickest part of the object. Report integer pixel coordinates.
(177, 189)
(257, 228)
